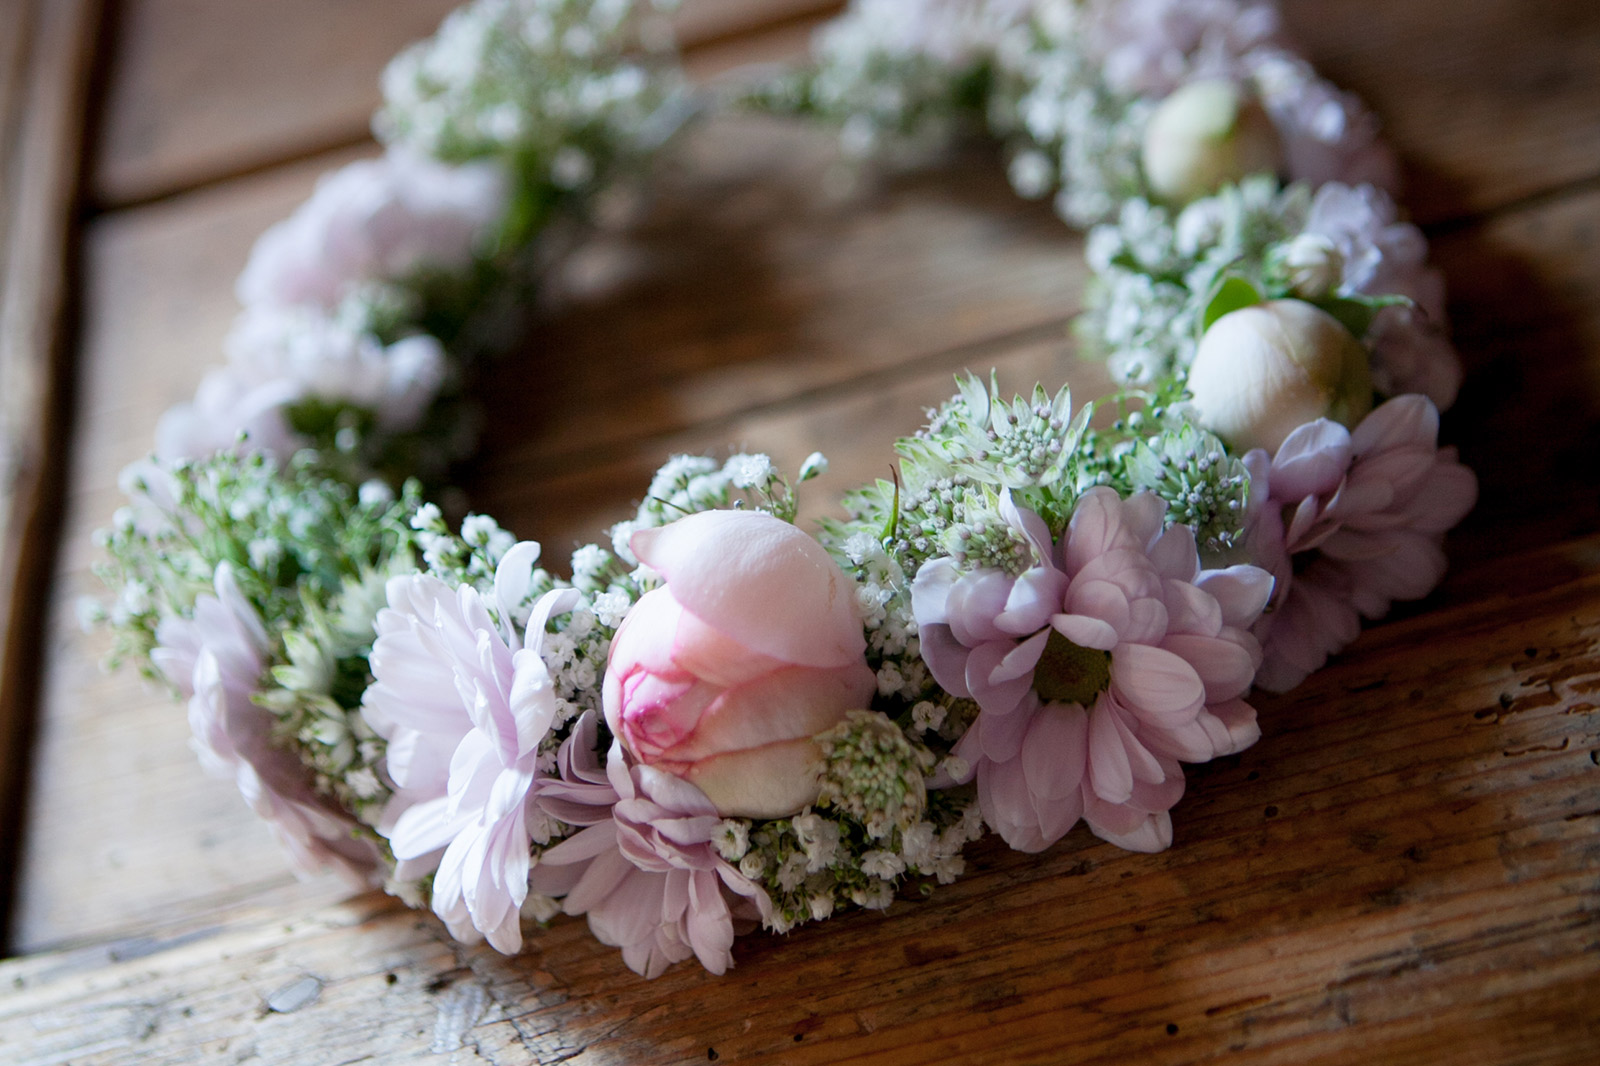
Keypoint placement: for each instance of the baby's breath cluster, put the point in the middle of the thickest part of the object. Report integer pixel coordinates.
(297, 539)
(566, 92)
(824, 859)
(1155, 272)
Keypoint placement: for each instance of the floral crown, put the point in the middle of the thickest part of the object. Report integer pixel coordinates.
(718, 720)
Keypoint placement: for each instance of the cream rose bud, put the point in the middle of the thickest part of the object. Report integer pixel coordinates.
(724, 675)
(1310, 265)
(1203, 136)
(1262, 371)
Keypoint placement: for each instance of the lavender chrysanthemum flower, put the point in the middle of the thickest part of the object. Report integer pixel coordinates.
(1152, 47)
(646, 868)
(374, 220)
(1348, 522)
(216, 659)
(464, 705)
(305, 352)
(1097, 671)
(227, 404)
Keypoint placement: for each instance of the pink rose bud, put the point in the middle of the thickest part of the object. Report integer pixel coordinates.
(724, 675)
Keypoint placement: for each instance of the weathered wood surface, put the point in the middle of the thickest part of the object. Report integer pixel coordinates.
(1425, 885)
(44, 63)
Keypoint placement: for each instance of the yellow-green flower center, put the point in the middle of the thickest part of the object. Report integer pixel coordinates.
(1071, 673)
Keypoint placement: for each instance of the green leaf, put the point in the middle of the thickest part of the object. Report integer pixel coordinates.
(1355, 313)
(1229, 294)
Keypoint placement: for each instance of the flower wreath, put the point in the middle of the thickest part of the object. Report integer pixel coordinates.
(720, 720)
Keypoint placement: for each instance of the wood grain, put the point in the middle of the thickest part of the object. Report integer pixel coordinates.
(1403, 870)
(200, 90)
(43, 98)
(1488, 102)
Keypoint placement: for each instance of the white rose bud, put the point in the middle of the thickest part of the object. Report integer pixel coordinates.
(1262, 371)
(1203, 136)
(1310, 265)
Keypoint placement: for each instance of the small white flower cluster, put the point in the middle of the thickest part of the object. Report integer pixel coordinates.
(689, 484)
(820, 860)
(1153, 272)
(905, 68)
(576, 655)
(1070, 133)
(1073, 84)
(883, 599)
(559, 86)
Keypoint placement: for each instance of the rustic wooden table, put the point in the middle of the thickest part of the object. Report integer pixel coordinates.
(1405, 869)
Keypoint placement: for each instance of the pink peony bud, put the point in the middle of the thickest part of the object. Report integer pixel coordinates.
(723, 676)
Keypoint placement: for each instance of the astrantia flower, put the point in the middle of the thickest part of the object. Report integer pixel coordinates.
(374, 220)
(464, 704)
(647, 868)
(216, 659)
(1350, 522)
(1096, 672)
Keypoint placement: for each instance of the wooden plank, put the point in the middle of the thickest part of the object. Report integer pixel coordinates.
(1487, 102)
(204, 89)
(44, 75)
(1525, 304)
(1401, 871)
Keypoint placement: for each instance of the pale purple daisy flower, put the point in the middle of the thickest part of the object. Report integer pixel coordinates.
(298, 352)
(374, 220)
(1348, 522)
(1327, 134)
(1384, 256)
(228, 404)
(1096, 672)
(215, 658)
(645, 869)
(1150, 47)
(464, 705)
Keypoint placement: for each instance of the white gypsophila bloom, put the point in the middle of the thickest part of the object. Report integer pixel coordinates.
(733, 839)
(610, 607)
(307, 353)
(750, 471)
(379, 220)
(558, 86)
(540, 908)
(882, 864)
(875, 896)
